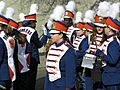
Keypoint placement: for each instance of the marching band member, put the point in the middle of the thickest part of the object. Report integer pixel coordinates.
(80, 44)
(110, 54)
(57, 14)
(99, 37)
(60, 64)
(8, 48)
(69, 18)
(5, 80)
(22, 60)
(87, 72)
(33, 44)
(89, 26)
(110, 51)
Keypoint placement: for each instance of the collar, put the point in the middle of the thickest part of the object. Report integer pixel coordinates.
(110, 36)
(59, 44)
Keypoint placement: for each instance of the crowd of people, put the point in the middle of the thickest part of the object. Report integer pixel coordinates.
(83, 53)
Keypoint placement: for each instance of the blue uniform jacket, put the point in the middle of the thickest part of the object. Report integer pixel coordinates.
(111, 72)
(67, 68)
(33, 46)
(4, 70)
(82, 48)
(82, 51)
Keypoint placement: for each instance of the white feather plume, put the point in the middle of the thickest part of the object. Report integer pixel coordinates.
(114, 10)
(71, 6)
(9, 12)
(86, 20)
(78, 17)
(33, 9)
(89, 16)
(51, 17)
(103, 9)
(2, 6)
(49, 23)
(58, 12)
(21, 16)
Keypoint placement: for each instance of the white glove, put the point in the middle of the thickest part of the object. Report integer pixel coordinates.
(44, 30)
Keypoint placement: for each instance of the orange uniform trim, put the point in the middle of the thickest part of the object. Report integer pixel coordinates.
(109, 22)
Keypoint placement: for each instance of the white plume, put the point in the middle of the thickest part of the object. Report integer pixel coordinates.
(86, 20)
(103, 9)
(33, 9)
(21, 16)
(71, 6)
(58, 12)
(2, 6)
(78, 17)
(114, 10)
(9, 12)
(89, 16)
(49, 23)
(52, 17)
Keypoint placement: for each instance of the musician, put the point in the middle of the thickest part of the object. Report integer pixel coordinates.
(69, 20)
(60, 64)
(80, 45)
(6, 55)
(110, 54)
(97, 38)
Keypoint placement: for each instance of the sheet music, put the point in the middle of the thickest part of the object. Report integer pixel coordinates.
(88, 61)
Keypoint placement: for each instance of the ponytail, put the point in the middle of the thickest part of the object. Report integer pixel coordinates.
(66, 39)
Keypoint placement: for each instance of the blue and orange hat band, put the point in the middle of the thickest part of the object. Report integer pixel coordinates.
(13, 24)
(4, 20)
(30, 17)
(59, 26)
(113, 23)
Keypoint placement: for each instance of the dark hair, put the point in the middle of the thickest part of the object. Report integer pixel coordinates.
(66, 39)
(28, 22)
(93, 36)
